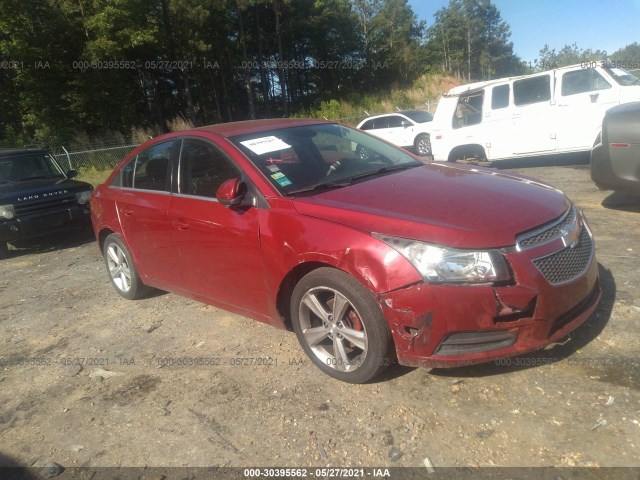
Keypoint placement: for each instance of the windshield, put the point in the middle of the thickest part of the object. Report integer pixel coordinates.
(623, 77)
(27, 166)
(418, 116)
(314, 157)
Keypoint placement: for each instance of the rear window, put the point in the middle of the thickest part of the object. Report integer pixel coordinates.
(532, 90)
(500, 97)
(368, 125)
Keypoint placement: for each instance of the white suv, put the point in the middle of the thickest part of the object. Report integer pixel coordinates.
(408, 129)
(550, 112)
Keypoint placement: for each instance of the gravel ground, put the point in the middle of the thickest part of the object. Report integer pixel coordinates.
(86, 377)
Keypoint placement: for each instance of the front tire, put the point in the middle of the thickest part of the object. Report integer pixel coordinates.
(422, 145)
(122, 273)
(4, 250)
(340, 326)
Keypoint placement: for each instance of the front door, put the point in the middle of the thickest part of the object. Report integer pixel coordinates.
(219, 247)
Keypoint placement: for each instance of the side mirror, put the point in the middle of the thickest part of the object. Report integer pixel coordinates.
(231, 192)
(72, 173)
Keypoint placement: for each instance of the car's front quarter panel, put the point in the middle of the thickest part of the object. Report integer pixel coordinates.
(290, 239)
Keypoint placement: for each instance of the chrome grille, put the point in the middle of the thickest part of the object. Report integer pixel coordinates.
(548, 232)
(44, 205)
(568, 263)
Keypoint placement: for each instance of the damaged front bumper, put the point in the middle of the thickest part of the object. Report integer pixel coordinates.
(457, 325)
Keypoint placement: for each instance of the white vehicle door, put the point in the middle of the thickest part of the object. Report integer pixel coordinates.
(398, 130)
(582, 98)
(498, 121)
(533, 126)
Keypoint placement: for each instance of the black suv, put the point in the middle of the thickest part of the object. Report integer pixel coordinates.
(37, 197)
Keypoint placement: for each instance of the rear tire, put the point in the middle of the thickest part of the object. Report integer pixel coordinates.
(422, 145)
(4, 250)
(122, 272)
(340, 326)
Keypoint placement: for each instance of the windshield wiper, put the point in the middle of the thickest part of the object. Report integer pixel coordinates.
(320, 186)
(349, 181)
(387, 169)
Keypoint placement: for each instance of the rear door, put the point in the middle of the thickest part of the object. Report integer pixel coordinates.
(219, 247)
(143, 199)
(533, 123)
(399, 131)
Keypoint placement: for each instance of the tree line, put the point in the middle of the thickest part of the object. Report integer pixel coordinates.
(95, 66)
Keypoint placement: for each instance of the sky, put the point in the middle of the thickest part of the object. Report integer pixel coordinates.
(597, 24)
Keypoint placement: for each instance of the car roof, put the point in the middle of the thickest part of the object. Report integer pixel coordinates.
(232, 129)
(23, 151)
(382, 115)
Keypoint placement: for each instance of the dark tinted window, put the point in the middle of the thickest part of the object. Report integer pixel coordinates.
(203, 169)
(580, 81)
(28, 165)
(395, 121)
(532, 90)
(500, 97)
(368, 125)
(469, 110)
(150, 169)
(418, 116)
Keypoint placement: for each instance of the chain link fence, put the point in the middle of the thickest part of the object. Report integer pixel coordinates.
(106, 157)
(96, 158)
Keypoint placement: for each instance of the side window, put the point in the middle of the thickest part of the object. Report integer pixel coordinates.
(584, 80)
(500, 97)
(469, 110)
(532, 90)
(395, 121)
(203, 169)
(368, 125)
(151, 168)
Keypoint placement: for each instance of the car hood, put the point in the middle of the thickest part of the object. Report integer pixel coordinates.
(446, 204)
(15, 192)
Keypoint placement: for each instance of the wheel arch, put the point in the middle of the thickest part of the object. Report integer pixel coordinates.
(102, 236)
(289, 282)
(470, 149)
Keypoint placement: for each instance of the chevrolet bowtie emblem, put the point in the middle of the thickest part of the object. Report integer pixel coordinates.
(570, 235)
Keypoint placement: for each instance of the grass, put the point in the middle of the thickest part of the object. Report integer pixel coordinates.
(423, 94)
(93, 176)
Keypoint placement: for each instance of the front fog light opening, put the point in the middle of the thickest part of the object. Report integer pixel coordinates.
(476, 342)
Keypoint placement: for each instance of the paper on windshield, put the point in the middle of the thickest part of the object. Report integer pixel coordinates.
(263, 145)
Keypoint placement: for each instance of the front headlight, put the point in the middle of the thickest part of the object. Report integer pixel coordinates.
(83, 197)
(439, 264)
(7, 212)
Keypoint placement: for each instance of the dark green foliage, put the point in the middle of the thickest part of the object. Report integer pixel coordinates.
(84, 68)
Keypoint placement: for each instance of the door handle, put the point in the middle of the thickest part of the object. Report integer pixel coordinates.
(126, 211)
(181, 225)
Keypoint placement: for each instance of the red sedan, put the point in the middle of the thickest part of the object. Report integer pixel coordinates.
(368, 254)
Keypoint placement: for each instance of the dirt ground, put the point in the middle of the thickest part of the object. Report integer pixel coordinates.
(88, 378)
